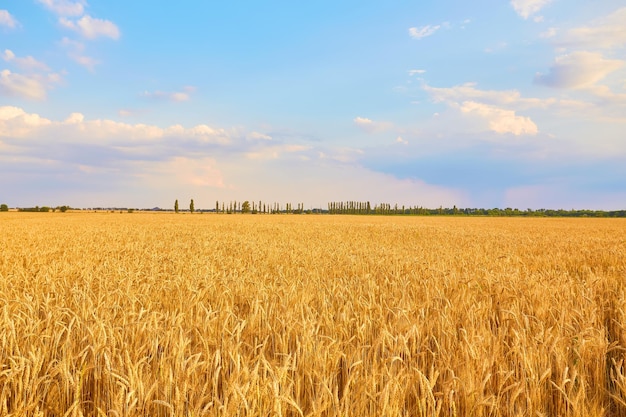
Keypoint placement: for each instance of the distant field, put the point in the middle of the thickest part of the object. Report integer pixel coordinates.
(133, 314)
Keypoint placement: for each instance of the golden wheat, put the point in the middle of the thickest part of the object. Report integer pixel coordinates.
(109, 314)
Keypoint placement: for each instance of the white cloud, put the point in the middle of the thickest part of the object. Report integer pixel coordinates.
(416, 71)
(75, 128)
(91, 28)
(85, 61)
(371, 126)
(578, 70)
(275, 151)
(130, 112)
(7, 20)
(26, 86)
(75, 53)
(75, 118)
(258, 136)
(363, 121)
(608, 32)
(469, 92)
(526, 8)
(501, 120)
(201, 133)
(424, 31)
(16, 123)
(65, 7)
(176, 96)
(27, 63)
(605, 93)
(179, 96)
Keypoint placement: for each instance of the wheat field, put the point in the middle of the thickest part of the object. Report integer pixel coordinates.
(152, 314)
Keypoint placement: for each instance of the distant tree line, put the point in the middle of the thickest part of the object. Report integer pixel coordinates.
(257, 207)
(354, 208)
(365, 208)
(252, 207)
(42, 209)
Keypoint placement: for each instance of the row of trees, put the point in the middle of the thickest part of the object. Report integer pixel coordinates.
(356, 207)
(365, 208)
(249, 207)
(42, 209)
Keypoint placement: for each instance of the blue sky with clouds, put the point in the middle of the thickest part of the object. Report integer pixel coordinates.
(517, 103)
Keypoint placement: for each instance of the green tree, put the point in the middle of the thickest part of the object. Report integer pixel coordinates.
(4, 207)
(245, 207)
(191, 206)
(176, 206)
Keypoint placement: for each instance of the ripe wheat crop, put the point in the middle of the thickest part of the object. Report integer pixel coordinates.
(109, 314)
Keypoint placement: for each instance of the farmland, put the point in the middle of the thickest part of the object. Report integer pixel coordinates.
(120, 314)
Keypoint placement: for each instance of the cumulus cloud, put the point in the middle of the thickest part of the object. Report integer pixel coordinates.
(75, 128)
(605, 33)
(26, 63)
(176, 96)
(371, 126)
(75, 118)
(416, 71)
(15, 122)
(91, 28)
(501, 120)
(424, 31)
(527, 8)
(7, 20)
(578, 70)
(29, 86)
(65, 7)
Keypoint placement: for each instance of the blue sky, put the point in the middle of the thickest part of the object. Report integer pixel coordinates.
(516, 103)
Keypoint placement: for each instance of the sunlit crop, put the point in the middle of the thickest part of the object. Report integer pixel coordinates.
(109, 314)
